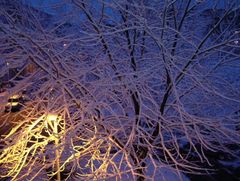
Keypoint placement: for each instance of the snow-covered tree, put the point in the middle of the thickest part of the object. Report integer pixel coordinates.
(118, 89)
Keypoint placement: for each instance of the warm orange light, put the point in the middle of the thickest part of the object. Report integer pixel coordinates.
(12, 103)
(16, 96)
(51, 117)
(52, 120)
(19, 154)
(38, 137)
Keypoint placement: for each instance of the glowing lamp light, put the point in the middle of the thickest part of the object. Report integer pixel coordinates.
(52, 120)
(16, 96)
(51, 117)
(18, 154)
(12, 104)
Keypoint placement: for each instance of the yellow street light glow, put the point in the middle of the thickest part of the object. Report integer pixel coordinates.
(51, 117)
(33, 140)
(16, 96)
(52, 121)
(12, 103)
(42, 142)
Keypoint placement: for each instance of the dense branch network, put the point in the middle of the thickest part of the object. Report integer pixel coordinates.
(136, 86)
